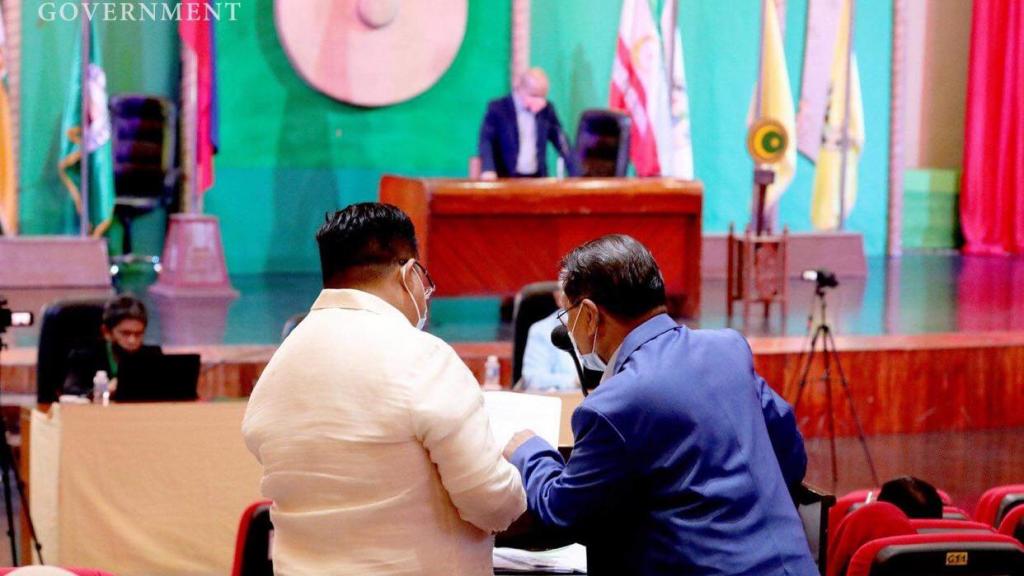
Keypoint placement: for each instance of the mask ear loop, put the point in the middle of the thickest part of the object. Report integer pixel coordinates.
(405, 267)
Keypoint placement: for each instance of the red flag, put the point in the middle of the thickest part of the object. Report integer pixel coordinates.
(197, 40)
(638, 83)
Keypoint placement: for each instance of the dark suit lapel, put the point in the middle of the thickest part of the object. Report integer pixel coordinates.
(512, 121)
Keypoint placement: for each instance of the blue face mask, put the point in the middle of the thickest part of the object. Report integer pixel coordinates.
(590, 361)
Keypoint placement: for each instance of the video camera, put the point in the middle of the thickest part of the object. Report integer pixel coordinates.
(9, 319)
(821, 277)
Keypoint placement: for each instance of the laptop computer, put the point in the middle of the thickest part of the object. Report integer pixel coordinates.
(162, 378)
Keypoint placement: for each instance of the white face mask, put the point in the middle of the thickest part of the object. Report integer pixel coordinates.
(590, 361)
(421, 316)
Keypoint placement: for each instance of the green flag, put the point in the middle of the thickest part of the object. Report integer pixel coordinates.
(97, 139)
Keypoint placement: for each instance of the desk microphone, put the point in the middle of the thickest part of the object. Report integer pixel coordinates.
(589, 379)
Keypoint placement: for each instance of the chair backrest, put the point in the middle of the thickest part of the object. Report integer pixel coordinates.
(532, 303)
(954, 513)
(66, 326)
(997, 502)
(869, 522)
(253, 544)
(1013, 524)
(602, 143)
(940, 526)
(144, 132)
(814, 507)
(938, 555)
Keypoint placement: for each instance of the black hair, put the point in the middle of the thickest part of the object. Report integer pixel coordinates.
(917, 498)
(124, 307)
(617, 273)
(359, 243)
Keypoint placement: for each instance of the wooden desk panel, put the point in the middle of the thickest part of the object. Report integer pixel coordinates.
(492, 238)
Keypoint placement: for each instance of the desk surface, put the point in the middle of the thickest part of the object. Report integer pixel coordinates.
(169, 479)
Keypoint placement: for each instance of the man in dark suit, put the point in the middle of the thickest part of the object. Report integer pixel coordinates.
(683, 455)
(517, 129)
(124, 325)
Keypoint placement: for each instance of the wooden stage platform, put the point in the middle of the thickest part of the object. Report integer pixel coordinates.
(900, 384)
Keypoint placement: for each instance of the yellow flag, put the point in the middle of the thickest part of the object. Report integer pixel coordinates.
(825, 198)
(8, 183)
(776, 99)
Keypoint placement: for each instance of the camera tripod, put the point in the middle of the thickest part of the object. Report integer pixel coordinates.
(7, 469)
(830, 355)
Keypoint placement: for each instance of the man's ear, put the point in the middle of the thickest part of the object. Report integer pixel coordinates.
(592, 317)
(105, 332)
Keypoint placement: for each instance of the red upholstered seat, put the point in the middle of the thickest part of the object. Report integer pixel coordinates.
(954, 513)
(932, 526)
(997, 502)
(938, 555)
(865, 524)
(1013, 524)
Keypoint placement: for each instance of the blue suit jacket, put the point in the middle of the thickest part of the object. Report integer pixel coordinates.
(499, 139)
(680, 464)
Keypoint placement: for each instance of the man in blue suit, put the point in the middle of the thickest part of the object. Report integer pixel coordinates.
(516, 131)
(683, 455)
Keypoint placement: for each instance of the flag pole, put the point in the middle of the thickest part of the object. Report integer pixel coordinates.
(670, 72)
(845, 141)
(84, 221)
(197, 196)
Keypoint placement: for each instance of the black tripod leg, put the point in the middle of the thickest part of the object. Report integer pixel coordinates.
(807, 360)
(6, 464)
(827, 379)
(831, 345)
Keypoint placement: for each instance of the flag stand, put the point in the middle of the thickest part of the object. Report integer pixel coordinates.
(193, 263)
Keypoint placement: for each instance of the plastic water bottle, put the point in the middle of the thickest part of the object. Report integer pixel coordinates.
(101, 388)
(492, 373)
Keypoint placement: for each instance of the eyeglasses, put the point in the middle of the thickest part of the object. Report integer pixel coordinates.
(428, 287)
(563, 315)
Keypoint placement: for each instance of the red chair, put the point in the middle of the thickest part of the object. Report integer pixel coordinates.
(954, 513)
(939, 526)
(997, 502)
(1013, 524)
(867, 523)
(843, 506)
(939, 555)
(253, 544)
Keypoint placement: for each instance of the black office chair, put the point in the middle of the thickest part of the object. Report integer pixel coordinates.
(814, 505)
(602, 143)
(66, 326)
(253, 543)
(532, 303)
(145, 178)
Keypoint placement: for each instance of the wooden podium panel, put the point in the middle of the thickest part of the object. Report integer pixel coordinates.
(492, 238)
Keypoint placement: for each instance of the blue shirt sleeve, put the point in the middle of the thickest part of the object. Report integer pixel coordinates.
(567, 494)
(784, 434)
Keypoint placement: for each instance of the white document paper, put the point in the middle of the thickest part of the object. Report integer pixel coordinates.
(569, 560)
(511, 412)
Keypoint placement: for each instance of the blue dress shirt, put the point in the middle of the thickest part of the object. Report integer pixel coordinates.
(545, 367)
(680, 464)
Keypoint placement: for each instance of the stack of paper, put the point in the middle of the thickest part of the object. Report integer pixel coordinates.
(511, 412)
(569, 560)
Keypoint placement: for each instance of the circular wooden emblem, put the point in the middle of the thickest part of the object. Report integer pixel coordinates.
(371, 52)
(767, 141)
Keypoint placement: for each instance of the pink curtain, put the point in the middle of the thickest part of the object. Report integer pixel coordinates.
(992, 192)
